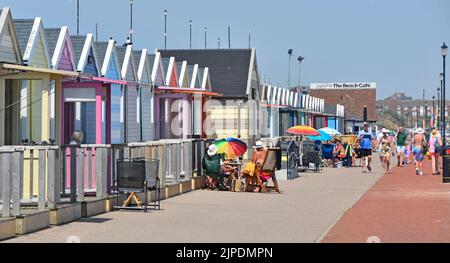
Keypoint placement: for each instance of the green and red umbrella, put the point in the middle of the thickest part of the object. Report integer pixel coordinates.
(231, 147)
(303, 130)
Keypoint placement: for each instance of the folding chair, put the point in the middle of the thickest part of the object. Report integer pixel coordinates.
(327, 155)
(312, 161)
(214, 179)
(137, 176)
(269, 166)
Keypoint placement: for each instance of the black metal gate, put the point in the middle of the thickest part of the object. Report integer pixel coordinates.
(293, 160)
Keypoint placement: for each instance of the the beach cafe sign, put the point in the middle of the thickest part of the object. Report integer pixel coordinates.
(350, 85)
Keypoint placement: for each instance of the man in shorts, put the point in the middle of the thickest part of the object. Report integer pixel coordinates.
(400, 138)
(418, 150)
(366, 139)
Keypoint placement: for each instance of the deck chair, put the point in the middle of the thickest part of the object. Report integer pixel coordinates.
(269, 166)
(327, 155)
(312, 161)
(137, 176)
(214, 178)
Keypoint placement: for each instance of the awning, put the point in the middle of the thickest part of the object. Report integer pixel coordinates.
(273, 105)
(65, 73)
(190, 91)
(106, 80)
(39, 70)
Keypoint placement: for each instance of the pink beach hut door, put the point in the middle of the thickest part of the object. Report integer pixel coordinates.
(80, 115)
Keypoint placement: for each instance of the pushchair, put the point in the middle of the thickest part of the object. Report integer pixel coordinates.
(327, 155)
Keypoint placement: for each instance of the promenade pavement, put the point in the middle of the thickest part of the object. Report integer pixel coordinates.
(304, 212)
(400, 208)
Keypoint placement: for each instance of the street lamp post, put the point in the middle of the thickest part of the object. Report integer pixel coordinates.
(131, 20)
(433, 113)
(300, 60)
(417, 116)
(290, 51)
(444, 50)
(410, 117)
(78, 17)
(438, 115)
(206, 30)
(441, 120)
(165, 29)
(190, 34)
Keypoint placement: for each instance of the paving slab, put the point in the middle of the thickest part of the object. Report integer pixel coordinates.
(401, 208)
(304, 212)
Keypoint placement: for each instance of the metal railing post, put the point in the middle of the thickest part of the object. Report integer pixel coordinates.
(73, 173)
(88, 150)
(5, 159)
(104, 172)
(99, 172)
(80, 175)
(41, 178)
(176, 161)
(166, 162)
(53, 180)
(31, 187)
(17, 178)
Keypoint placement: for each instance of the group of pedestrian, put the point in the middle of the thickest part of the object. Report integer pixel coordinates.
(398, 143)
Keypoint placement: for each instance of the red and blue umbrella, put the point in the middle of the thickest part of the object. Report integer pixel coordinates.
(231, 147)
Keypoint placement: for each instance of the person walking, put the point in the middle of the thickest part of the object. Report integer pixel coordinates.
(386, 147)
(366, 139)
(435, 144)
(400, 138)
(419, 150)
(407, 153)
(379, 135)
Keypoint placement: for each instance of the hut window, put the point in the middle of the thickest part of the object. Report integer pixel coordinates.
(91, 59)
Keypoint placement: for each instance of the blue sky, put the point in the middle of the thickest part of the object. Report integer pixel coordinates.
(394, 43)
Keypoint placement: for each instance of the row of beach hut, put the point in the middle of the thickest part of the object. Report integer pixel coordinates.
(53, 83)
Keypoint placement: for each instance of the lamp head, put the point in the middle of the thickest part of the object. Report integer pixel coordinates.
(290, 51)
(444, 50)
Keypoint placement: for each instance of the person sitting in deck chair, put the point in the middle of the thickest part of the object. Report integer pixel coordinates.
(252, 171)
(217, 170)
(350, 154)
(339, 151)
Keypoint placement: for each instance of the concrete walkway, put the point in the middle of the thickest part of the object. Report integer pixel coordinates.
(304, 212)
(401, 207)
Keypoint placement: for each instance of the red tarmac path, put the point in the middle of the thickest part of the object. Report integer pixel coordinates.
(400, 208)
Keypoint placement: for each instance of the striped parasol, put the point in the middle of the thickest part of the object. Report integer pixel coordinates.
(231, 147)
(331, 131)
(303, 130)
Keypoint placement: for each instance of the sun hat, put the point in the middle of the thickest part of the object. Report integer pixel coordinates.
(419, 130)
(384, 130)
(258, 145)
(212, 150)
